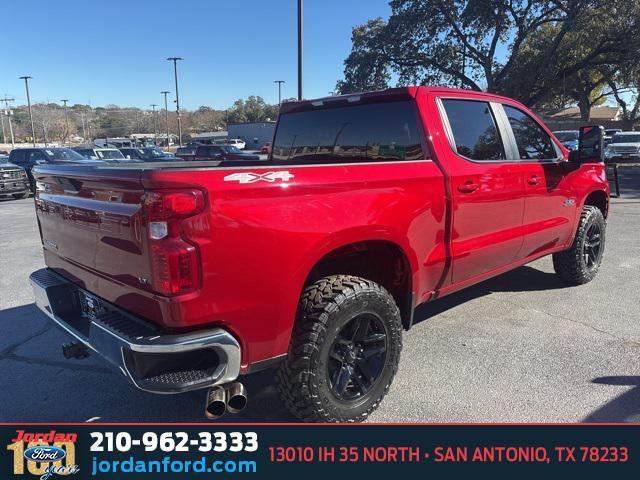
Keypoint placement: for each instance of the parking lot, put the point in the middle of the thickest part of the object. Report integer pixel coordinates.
(518, 348)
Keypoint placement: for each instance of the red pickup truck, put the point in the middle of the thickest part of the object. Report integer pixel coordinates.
(187, 276)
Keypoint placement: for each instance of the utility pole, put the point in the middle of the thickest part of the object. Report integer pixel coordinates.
(66, 119)
(279, 82)
(300, 57)
(166, 115)
(175, 74)
(84, 130)
(155, 124)
(8, 112)
(26, 79)
(4, 134)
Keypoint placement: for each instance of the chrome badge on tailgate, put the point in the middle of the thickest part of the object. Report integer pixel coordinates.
(250, 177)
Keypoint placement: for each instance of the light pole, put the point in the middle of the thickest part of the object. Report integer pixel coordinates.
(8, 112)
(175, 74)
(166, 115)
(300, 58)
(155, 124)
(279, 82)
(4, 134)
(66, 120)
(26, 79)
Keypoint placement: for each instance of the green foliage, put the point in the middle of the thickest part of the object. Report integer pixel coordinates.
(253, 109)
(527, 49)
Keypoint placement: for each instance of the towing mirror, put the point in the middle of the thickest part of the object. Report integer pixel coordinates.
(591, 144)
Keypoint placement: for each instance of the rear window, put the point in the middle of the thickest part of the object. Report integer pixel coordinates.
(372, 132)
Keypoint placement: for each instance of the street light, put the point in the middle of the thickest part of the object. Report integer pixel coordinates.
(175, 74)
(279, 82)
(300, 50)
(166, 115)
(26, 79)
(66, 119)
(155, 124)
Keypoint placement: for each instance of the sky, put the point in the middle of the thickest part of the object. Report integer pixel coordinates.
(114, 52)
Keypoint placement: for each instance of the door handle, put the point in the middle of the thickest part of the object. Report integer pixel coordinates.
(468, 187)
(533, 180)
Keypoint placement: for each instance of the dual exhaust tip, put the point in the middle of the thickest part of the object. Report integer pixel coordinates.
(231, 398)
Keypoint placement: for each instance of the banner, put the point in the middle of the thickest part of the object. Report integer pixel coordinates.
(202, 451)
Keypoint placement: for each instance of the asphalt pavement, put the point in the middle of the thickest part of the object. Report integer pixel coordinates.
(521, 347)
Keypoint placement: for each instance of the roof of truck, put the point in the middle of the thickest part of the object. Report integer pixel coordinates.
(397, 93)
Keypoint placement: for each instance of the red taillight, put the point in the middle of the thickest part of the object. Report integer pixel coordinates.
(174, 260)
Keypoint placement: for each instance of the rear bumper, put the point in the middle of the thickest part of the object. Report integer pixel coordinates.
(152, 361)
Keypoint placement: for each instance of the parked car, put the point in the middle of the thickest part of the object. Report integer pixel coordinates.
(266, 148)
(221, 153)
(151, 154)
(27, 158)
(186, 153)
(623, 148)
(236, 142)
(13, 179)
(107, 154)
(609, 133)
(314, 261)
(568, 138)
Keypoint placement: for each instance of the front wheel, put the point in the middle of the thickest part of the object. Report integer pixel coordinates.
(580, 263)
(344, 351)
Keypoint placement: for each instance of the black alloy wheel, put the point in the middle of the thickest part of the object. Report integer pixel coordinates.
(357, 357)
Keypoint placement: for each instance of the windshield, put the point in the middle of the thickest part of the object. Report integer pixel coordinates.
(62, 154)
(566, 136)
(230, 149)
(622, 138)
(110, 154)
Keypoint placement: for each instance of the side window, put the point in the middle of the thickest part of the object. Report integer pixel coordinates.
(474, 130)
(37, 156)
(533, 142)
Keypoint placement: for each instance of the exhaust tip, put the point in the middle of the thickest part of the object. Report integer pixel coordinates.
(216, 403)
(236, 397)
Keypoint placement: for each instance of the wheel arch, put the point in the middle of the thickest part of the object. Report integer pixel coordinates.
(599, 199)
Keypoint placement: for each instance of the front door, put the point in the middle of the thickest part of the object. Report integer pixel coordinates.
(549, 206)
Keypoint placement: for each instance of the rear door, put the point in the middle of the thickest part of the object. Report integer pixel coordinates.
(549, 206)
(487, 189)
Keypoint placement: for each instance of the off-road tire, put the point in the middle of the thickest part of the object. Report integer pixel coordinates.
(21, 196)
(326, 306)
(570, 265)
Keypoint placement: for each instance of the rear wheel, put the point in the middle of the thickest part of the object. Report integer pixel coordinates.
(580, 263)
(344, 351)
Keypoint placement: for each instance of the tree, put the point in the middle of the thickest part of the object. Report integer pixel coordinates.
(253, 109)
(365, 69)
(625, 88)
(520, 48)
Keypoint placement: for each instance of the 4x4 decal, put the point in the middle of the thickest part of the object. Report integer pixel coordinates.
(250, 177)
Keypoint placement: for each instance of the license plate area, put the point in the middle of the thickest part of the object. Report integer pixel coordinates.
(90, 307)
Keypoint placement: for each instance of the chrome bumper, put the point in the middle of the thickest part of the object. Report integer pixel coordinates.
(152, 361)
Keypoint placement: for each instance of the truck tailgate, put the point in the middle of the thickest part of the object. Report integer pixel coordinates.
(91, 225)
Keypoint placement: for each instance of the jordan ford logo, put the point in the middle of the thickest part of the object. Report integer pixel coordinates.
(250, 177)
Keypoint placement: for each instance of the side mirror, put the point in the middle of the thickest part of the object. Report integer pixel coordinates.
(590, 144)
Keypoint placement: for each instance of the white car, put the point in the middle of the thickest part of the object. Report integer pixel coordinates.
(624, 147)
(236, 142)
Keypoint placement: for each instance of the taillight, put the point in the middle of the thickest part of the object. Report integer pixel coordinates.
(174, 260)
